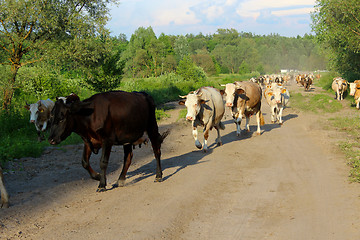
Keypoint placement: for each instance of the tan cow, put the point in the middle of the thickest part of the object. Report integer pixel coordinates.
(244, 99)
(355, 91)
(4, 203)
(339, 85)
(205, 107)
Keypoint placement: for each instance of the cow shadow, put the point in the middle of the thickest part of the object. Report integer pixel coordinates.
(179, 162)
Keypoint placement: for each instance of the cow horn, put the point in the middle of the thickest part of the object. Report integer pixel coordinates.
(183, 96)
(223, 85)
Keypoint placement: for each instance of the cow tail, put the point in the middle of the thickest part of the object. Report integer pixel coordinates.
(262, 120)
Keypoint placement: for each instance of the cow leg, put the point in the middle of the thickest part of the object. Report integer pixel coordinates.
(206, 136)
(156, 140)
(195, 135)
(273, 114)
(105, 154)
(247, 127)
(238, 127)
(40, 135)
(280, 115)
(128, 155)
(358, 103)
(86, 164)
(4, 203)
(218, 139)
(258, 122)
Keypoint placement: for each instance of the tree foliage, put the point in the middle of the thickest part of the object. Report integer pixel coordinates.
(337, 27)
(27, 28)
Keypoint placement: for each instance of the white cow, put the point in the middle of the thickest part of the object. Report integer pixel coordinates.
(244, 99)
(205, 107)
(277, 97)
(339, 85)
(40, 115)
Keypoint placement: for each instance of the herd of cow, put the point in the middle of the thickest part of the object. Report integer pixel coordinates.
(128, 118)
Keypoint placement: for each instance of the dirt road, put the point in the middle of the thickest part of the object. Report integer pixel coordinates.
(288, 183)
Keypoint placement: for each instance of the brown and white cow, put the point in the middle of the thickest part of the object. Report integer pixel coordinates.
(40, 115)
(339, 85)
(277, 97)
(355, 91)
(107, 119)
(4, 202)
(205, 107)
(244, 100)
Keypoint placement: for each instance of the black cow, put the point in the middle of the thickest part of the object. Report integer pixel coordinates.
(107, 119)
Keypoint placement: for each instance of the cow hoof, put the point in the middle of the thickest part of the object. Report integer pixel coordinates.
(280, 123)
(119, 183)
(158, 179)
(101, 189)
(272, 121)
(4, 205)
(219, 143)
(258, 133)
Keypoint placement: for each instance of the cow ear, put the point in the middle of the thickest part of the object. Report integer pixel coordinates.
(222, 92)
(269, 93)
(181, 102)
(203, 101)
(283, 91)
(27, 107)
(240, 91)
(41, 108)
(81, 108)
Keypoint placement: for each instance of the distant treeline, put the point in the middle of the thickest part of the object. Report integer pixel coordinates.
(227, 51)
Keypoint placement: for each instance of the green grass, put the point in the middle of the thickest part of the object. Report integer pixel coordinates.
(318, 103)
(351, 146)
(352, 153)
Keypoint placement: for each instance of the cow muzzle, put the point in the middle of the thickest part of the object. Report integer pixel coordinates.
(32, 121)
(189, 118)
(229, 104)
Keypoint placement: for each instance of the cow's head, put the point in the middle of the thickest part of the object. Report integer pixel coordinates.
(35, 109)
(229, 93)
(193, 104)
(62, 119)
(277, 94)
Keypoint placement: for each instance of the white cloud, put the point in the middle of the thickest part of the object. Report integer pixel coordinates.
(213, 12)
(178, 16)
(252, 8)
(292, 12)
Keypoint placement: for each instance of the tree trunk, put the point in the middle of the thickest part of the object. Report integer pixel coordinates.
(10, 89)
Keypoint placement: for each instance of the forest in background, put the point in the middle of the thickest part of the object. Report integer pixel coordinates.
(105, 60)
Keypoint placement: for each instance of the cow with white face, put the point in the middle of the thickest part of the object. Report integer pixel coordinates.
(277, 97)
(40, 115)
(244, 100)
(205, 107)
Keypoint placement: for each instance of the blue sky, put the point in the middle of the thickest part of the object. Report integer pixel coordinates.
(179, 17)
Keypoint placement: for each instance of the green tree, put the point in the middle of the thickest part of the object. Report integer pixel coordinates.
(144, 54)
(189, 71)
(181, 48)
(337, 27)
(27, 29)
